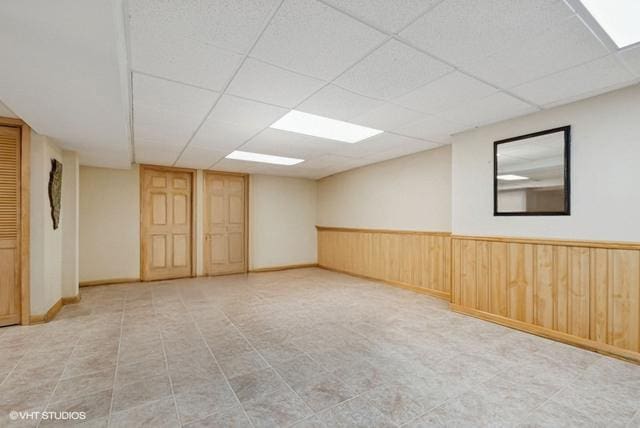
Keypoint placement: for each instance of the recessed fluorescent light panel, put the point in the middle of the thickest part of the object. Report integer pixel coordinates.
(323, 127)
(619, 18)
(259, 157)
(512, 177)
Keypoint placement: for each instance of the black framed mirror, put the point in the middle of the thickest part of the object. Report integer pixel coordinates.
(531, 174)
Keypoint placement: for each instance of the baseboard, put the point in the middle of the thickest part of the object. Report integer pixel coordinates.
(601, 348)
(71, 300)
(283, 267)
(53, 310)
(51, 313)
(108, 281)
(434, 293)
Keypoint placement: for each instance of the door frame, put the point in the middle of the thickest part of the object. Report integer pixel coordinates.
(145, 167)
(246, 178)
(24, 217)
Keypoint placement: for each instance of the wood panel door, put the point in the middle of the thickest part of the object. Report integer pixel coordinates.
(10, 289)
(166, 223)
(225, 223)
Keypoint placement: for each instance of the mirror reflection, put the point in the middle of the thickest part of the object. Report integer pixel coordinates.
(530, 174)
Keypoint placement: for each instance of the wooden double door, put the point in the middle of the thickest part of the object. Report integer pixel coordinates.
(225, 223)
(166, 223)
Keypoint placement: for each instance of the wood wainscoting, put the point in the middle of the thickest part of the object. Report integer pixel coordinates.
(579, 292)
(283, 267)
(419, 261)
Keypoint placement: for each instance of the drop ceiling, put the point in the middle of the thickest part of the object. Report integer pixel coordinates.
(186, 83)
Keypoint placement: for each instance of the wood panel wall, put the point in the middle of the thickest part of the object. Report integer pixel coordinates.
(585, 293)
(415, 260)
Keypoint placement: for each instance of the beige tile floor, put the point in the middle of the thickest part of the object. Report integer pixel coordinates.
(309, 348)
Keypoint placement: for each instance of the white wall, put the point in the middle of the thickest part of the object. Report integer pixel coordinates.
(605, 172)
(69, 223)
(109, 224)
(282, 218)
(282, 222)
(52, 251)
(408, 193)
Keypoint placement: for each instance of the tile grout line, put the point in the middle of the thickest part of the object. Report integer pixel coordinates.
(22, 357)
(214, 358)
(447, 401)
(115, 374)
(59, 379)
(563, 388)
(431, 408)
(267, 362)
(166, 365)
(315, 413)
(48, 402)
(455, 396)
(269, 301)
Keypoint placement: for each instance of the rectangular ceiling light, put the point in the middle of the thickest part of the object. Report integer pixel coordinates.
(511, 177)
(323, 127)
(619, 18)
(258, 157)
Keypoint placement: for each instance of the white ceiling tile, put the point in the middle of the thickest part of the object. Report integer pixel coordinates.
(179, 58)
(63, 72)
(289, 144)
(460, 31)
(221, 136)
(233, 121)
(389, 15)
(560, 48)
(446, 92)
(337, 167)
(250, 115)
(6, 111)
(569, 84)
(234, 165)
(392, 70)
(199, 158)
(337, 103)
(266, 169)
(432, 128)
(317, 174)
(632, 58)
(399, 152)
(231, 24)
(153, 155)
(165, 113)
(328, 161)
(315, 39)
(494, 108)
(298, 173)
(264, 82)
(387, 117)
(105, 158)
(381, 143)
